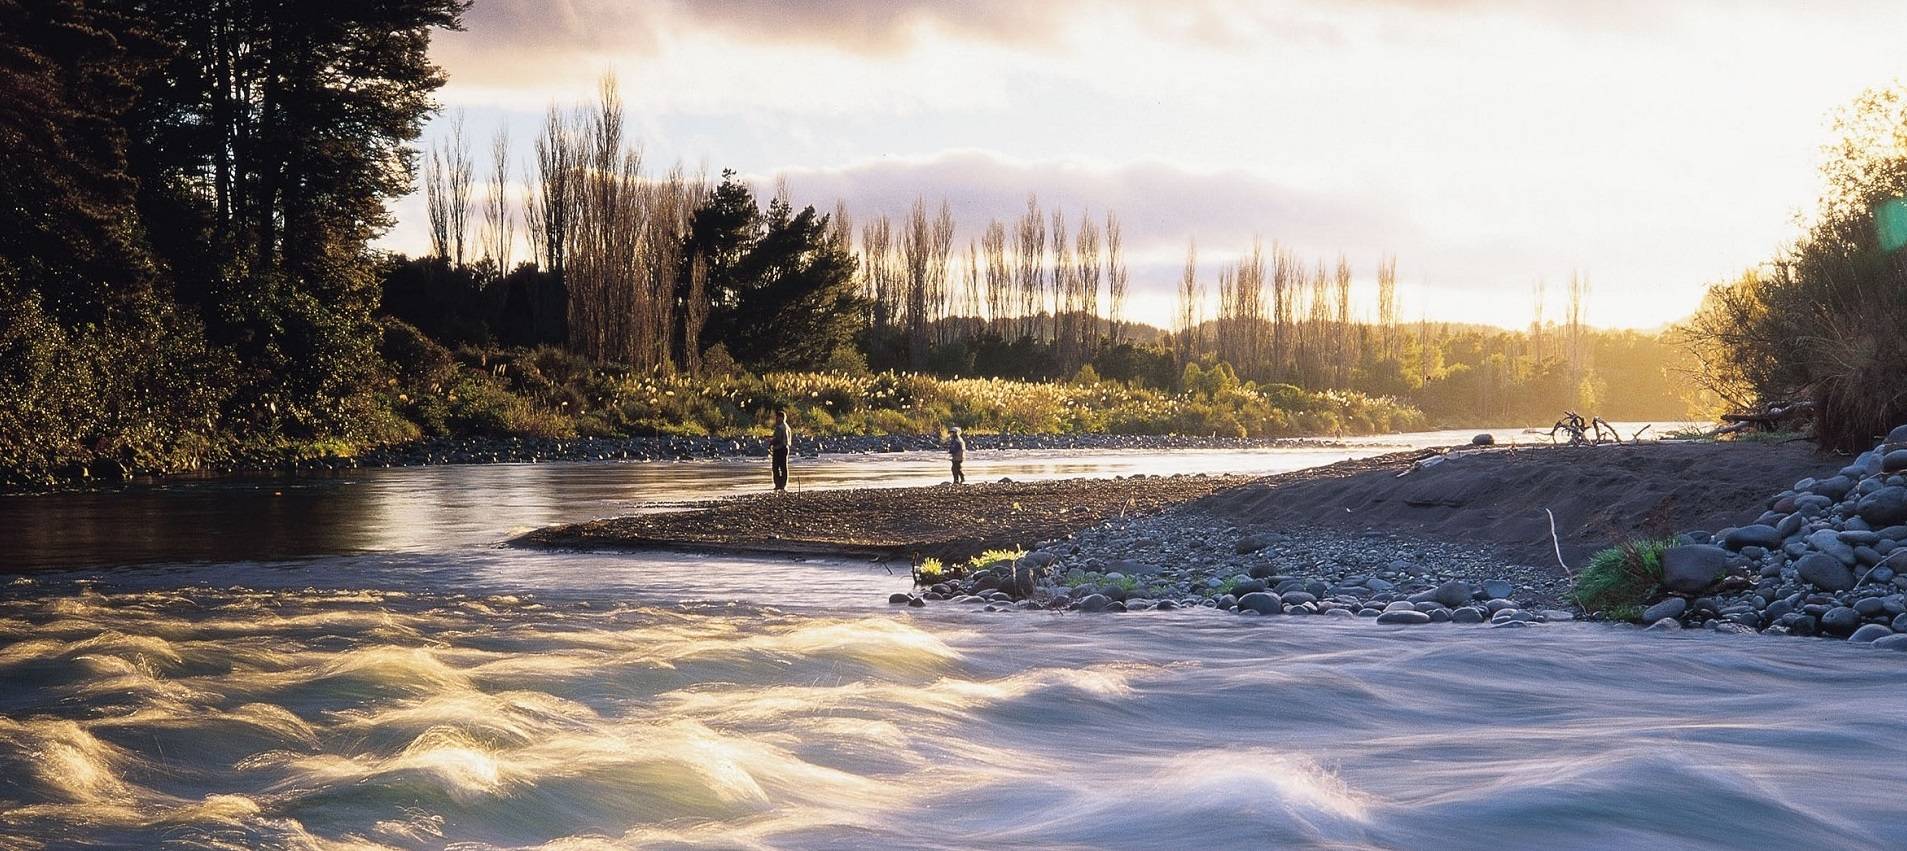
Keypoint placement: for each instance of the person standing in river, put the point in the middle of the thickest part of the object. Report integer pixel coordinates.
(957, 450)
(778, 449)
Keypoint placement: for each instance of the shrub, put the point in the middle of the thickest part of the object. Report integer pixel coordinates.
(1823, 323)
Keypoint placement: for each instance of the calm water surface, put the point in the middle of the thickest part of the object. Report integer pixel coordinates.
(351, 663)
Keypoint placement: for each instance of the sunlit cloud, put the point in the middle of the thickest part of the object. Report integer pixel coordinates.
(1491, 144)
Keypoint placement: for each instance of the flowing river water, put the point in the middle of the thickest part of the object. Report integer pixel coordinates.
(351, 662)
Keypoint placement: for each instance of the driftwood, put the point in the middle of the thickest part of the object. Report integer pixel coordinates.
(1769, 416)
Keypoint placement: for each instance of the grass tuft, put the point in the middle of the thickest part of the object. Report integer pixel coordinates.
(931, 571)
(1621, 580)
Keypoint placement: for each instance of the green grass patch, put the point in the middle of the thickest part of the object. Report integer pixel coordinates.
(1620, 581)
(990, 558)
(931, 571)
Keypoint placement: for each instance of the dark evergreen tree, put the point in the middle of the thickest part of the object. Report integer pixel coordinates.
(781, 290)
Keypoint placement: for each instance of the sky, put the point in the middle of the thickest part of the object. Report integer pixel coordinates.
(1492, 146)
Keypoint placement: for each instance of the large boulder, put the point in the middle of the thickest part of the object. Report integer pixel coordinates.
(1692, 568)
(1825, 571)
(1894, 462)
(1452, 594)
(1133, 567)
(1840, 620)
(1884, 507)
(1262, 603)
(1253, 543)
(1898, 435)
(1829, 541)
(1484, 439)
(1404, 616)
(1754, 535)
(1835, 487)
(1672, 607)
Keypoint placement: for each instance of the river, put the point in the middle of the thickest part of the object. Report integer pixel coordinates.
(351, 662)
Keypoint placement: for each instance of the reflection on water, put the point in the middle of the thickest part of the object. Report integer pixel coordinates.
(412, 716)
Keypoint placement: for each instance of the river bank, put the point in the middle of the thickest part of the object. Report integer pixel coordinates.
(945, 522)
(1460, 534)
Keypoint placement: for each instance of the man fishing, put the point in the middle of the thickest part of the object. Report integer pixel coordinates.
(778, 449)
(957, 450)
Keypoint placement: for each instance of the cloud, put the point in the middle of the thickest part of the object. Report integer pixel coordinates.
(1160, 206)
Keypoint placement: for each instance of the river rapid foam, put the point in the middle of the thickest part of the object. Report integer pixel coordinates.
(380, 709)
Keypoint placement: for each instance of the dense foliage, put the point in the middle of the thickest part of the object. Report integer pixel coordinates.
(552, 393)
(191, 189)
(1823, 321)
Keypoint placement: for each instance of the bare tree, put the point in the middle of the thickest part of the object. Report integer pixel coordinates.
(1387, 306)
(841, 228)
(880, 275)
(1538, 295)
(925, 247)
(1186, 315)
(1343, 352)
(1115, 277)
(1029, 250)
(1227, 341)
(1576, 336)
(1062, 282)
(437, 202)
(1086, 282)
(940, 280)
(999, 274)
(612, 313)
(533, 228)
(499, 229)
(459, 173)
(970, 294)
(552, 214)
(1287, 282)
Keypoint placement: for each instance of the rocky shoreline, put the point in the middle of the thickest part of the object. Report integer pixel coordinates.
(1827, 558)
(1176, 561)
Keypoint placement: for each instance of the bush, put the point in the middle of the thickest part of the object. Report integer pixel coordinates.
(1621, 580)
(1824, 323)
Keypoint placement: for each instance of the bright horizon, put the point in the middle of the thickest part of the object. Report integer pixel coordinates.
(1489, 146)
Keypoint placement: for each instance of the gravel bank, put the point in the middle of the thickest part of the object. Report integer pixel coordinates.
(951, 522)
(1827, 557)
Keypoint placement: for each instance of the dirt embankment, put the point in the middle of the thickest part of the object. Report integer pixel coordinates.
(945, 521)
(1496, 499)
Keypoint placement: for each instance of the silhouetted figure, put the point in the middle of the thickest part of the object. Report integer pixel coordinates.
(784, 437)
(957, 450)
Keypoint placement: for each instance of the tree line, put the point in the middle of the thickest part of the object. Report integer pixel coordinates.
(186, 275)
